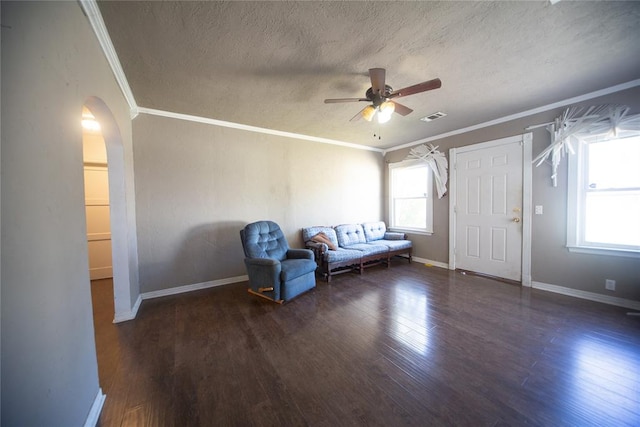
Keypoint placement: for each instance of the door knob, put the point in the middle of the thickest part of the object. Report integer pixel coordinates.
(516, 219)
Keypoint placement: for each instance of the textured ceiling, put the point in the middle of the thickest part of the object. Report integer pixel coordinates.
(271, 64)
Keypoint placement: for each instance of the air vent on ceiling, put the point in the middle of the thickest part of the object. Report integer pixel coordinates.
(432, 117)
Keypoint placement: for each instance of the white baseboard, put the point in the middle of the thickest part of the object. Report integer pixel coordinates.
(194, 287)
(128, 315)
(592, 296)
(430, 263)
(96, 408)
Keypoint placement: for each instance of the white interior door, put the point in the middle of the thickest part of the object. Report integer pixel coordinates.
(96, 184)
(489, 210)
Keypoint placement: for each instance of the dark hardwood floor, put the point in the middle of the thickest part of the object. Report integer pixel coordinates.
(409, 345)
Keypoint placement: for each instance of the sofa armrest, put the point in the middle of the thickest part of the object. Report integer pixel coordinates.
(394, 235)
(300, 254)
(318, 249)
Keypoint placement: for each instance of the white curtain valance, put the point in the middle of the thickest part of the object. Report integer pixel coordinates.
(436, 161)
(577, 123)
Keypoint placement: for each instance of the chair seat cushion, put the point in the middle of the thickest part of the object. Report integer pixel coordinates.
(293, 268)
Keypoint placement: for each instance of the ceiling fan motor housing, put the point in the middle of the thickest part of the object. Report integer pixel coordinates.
(378, 98)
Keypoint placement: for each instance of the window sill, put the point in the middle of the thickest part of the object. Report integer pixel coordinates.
(603, 251)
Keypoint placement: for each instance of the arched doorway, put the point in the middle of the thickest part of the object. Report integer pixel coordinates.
(123, 248)
(96, 190)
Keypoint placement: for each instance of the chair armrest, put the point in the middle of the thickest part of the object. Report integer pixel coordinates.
(300, 254)
(264, 273)
(263, 262)
(394, 235)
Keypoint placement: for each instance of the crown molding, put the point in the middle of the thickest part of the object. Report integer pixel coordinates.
(221, 123)
(92, 12)
(575, 99)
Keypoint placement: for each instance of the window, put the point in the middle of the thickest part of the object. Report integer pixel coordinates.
(604, 196)
(410, 197)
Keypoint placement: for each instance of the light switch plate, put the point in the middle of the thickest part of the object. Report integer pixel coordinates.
(538, 209)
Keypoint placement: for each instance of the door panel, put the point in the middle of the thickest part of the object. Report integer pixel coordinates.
(473, 242)
(488, 198)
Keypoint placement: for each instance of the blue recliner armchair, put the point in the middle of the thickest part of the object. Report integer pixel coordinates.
(276, 272)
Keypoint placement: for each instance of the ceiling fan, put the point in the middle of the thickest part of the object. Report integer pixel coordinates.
(381, 94)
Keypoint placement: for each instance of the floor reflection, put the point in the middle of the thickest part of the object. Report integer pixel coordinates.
(410, 314)
(606, 376)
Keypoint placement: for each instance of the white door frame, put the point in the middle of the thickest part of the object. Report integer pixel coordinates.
(525, 142)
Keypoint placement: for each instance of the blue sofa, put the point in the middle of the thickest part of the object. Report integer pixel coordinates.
(353, 247)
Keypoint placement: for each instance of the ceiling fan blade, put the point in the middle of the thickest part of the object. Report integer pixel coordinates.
(420, 87)
(337, 100)
(402, 109)
(358, 116)
(377, 76)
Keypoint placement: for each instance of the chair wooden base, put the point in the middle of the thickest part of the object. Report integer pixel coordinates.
(251, 291)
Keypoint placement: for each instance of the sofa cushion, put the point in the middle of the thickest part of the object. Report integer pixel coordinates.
(374, 230)
(341, 255)
(322, 238)
(394, 235)
(395, 245)
(350, 234)
(309, 232)
(369, 249)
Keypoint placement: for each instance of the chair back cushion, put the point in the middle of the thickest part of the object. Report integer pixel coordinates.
(350, 234)
(374, 230)
(264, 239)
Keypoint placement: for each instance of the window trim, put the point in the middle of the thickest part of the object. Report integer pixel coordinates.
(575, 206)
(407, 164)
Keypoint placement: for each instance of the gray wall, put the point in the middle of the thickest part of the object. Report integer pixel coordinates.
(551, 262)
(51, 63)
(197, 185)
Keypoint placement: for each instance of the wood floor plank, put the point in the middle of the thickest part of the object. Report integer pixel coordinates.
(408, 345)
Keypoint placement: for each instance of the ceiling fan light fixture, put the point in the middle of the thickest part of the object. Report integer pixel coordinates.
(368, 113)
(386, 109)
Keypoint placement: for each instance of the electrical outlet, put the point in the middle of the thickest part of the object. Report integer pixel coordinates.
(538, 210)
(610, 285)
